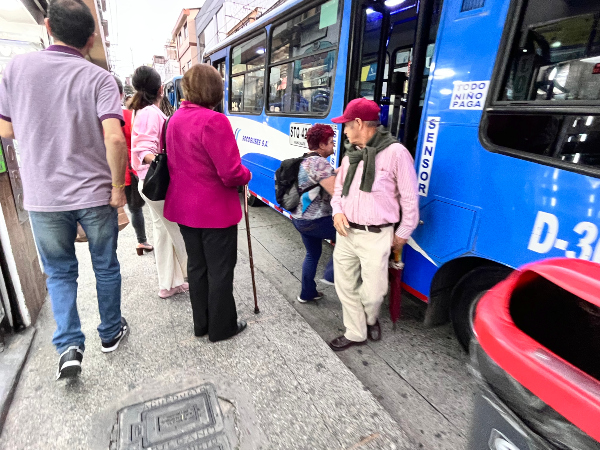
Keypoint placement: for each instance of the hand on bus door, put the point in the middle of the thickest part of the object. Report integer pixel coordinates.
(341, 224)
(398, 243)
(117, 197)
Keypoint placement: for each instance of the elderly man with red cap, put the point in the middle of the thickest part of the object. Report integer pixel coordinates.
(375, 207)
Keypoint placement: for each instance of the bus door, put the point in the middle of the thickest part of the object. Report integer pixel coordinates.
(220, 66)
(169, 92)
(392, 40)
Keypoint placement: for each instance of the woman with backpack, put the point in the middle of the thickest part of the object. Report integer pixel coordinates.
(146, 143)
(312, 218)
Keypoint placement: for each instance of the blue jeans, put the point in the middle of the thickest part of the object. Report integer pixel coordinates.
(313, 232)
(55, 234)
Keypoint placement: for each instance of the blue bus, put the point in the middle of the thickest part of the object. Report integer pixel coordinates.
(497, 99)
(173, 91)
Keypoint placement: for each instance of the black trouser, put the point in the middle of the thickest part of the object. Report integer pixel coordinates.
(137, 216)
(212, 255)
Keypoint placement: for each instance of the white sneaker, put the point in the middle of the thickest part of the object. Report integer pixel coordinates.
(328, 283)
(318, 297)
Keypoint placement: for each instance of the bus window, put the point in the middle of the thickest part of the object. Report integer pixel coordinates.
(302, 61)
(546, 103)
(170, 93)
(247, 76)
(178, 93)
(220, 66)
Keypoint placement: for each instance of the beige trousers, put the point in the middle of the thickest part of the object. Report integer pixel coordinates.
(169, 248)
(360, 263)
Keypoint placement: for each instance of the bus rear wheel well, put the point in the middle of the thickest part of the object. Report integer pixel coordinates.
(444, 282)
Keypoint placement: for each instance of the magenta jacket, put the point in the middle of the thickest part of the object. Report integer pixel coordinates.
(205, 168)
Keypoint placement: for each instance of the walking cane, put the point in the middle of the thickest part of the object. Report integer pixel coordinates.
(256, 310)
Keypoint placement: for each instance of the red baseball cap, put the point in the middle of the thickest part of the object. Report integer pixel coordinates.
(359, 108)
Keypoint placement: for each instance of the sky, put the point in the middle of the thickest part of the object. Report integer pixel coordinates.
(139, 29)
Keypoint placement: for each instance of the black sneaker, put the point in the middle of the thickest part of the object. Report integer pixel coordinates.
(69, 363)
(111, 346)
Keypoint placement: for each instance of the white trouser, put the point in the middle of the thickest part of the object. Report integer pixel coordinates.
(169, 248)
(360, 263)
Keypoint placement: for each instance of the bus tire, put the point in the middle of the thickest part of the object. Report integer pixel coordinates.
(465, 296)
(253, 200)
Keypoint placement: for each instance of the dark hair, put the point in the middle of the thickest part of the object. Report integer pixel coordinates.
(166, 107)
(71, 22)
(119, 84)
(203, 85)
(146, 82)
(318, 134)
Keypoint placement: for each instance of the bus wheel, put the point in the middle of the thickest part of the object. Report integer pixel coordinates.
(253, 200)
(465, 296)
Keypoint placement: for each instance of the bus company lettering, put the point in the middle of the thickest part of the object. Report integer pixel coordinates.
(544, 237)
(432, 126)
(255, 141)
(469, 95)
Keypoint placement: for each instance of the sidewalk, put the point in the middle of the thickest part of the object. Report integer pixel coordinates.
(279, 385)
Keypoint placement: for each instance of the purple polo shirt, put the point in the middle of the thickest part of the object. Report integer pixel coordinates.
(56, 101)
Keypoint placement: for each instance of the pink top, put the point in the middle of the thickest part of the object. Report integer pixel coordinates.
(205, 168)
(394, 189)
(146, 135)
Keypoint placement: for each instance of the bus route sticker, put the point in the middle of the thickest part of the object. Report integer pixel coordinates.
(298, 134)
(432, 126)
(469, 95)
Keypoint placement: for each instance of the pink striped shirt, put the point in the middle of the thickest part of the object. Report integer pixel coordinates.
(394, 189)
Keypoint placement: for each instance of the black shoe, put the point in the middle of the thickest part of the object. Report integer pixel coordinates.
(111, 346)
(241, 326)
(69, 363)
(374, 331)
(342, 343)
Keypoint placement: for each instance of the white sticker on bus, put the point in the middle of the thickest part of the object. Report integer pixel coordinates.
(544, 237)
(298, 134)
(469, 95)
(432, 126)
(298, 137)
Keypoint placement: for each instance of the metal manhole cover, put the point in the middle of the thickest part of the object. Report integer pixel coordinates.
(187, 420)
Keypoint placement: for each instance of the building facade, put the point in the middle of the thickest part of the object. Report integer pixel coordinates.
(185, 38)
(218, 19)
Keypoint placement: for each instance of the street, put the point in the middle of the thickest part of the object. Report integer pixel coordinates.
(418, 374)
(278, 383)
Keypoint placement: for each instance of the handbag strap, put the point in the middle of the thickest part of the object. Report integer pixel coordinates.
(164, 136)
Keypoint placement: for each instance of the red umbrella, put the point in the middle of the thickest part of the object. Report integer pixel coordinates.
(395, 276)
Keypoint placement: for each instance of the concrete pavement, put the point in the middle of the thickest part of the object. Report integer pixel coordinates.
(279, 385)
(418, 374)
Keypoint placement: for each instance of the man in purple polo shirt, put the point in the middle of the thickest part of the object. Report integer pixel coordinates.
(66, 114)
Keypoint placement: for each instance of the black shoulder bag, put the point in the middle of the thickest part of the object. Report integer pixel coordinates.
(158, 178)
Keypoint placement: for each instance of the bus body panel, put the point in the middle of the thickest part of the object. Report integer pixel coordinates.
(524, 211)
(478, 203)
(451, 211)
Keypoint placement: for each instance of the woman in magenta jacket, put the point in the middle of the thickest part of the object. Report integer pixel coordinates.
(206, 169)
